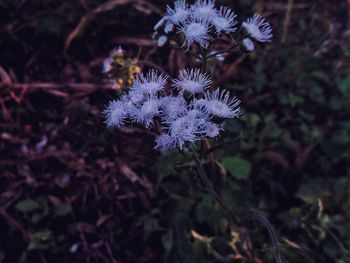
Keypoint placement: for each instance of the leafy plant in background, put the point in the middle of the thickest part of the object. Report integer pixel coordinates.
(187, 114)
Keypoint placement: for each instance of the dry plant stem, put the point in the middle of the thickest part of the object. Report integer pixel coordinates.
(287, 20)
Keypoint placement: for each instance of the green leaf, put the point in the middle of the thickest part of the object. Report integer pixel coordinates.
(167, 240)
(316, 93)
(36, 217)
(150, 225)
(312, 190)
(337, 140)
(260, 78)
(320, 76)
(253, 120)
(62, 210)
(344, 86)
(272, 131)
(238, 167)
(207, 211)
(41, 241)
(27, 205)
(290, 99)
(339, 103)
(165, 163)
(307, 116)
(233, 127)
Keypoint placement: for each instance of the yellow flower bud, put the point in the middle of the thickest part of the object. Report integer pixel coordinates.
(137, 70)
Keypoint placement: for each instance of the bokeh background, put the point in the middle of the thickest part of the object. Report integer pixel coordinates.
(72, 190)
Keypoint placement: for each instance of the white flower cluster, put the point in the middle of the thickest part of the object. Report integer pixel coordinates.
(202, 22)
(188, 114)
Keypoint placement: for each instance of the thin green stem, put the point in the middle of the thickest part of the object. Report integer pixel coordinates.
(181, 46)
(211, 189)
(227, 50)
(201, 171)
(204, 57)
(255, 214)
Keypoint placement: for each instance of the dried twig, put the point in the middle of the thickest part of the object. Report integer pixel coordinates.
(287, 20)
(5, 77)
(85, 20)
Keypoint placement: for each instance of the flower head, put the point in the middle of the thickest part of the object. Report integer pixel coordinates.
(115, 114)
(196, 31)
(248, 44)
(179, 14)
(187, 129)
(198, 113)
(165, 142)
(192, 81)
(134, 97)
(151, 83)
(162, 40)
(172, 107)
(107, 65)
(119, 51)
(220, 105)
(168, 27)
(182, 121)
(225, 21)
(212, 130)
(198, 103)
(258, 28)
(204, 10)
(145, 111)
(189, 112)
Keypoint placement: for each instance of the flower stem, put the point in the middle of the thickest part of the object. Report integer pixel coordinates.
(227, 50)
(204, 58)
(222, 202)
(201, 171)
(254, 214)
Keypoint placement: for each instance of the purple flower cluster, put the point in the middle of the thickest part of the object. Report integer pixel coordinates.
(188, 114)
(202, 22)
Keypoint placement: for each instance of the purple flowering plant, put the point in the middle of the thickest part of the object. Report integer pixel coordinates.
(188, 109)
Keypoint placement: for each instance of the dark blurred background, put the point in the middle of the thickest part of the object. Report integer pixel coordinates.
(72, 190)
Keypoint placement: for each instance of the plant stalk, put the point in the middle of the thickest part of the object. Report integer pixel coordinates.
(213, 192)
